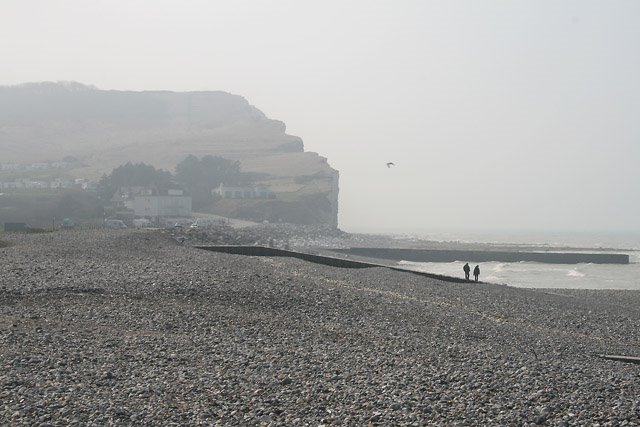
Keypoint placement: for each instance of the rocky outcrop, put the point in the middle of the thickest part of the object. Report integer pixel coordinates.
(104, 129)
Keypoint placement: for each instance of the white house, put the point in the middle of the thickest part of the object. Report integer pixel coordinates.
(37, 185)
(125, 196)
(11, 166)
(89, 185)
(59, 165)
(38, 166)
(252, 192)
(154, 207)
(61, 183)
(13, 184)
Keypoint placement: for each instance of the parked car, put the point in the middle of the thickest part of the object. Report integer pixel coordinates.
(114, 224)
(179, 224)
(141, 223)
(206, 222)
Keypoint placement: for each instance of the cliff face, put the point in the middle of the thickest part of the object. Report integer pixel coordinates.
(104, 129)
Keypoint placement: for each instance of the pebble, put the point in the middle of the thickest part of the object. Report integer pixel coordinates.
(109, 327)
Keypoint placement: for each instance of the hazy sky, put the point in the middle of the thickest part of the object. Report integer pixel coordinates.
(498, 115)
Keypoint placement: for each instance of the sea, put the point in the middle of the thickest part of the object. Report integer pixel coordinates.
(541, 275)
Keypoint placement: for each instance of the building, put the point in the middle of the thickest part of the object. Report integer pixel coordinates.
(248, 192)
(60, 183)
(154, 207)
(37, 185)
(11, 166)
(124, 197)
(13, 184)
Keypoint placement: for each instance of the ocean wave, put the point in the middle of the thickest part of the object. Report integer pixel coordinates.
(494, 279)
(575, 273)
(499, 268)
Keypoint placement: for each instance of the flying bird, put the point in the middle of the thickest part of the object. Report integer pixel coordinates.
(390, 164)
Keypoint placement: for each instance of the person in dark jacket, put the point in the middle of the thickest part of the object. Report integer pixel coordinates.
(476, 272)
(466, 269)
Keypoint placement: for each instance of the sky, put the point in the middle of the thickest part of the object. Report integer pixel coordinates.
(519, 115)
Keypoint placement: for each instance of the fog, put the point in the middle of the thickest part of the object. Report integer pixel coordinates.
(497, 115)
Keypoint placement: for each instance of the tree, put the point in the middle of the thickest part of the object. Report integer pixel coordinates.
(200, 176)
(210, 171)
(129, 175)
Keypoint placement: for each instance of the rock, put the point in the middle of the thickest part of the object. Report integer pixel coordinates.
(286, 381)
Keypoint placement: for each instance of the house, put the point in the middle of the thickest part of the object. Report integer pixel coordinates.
(61, 183)
(37, 166)
(153, 203)
(159, 206)
(37, 185)
(11, 166)
(13, 184)
(247, 192)
(59, 165)
(124, 196)
(89, 185)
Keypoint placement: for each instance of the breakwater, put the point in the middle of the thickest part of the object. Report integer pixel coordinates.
(317, 259)
(266, 251)
(436, 255)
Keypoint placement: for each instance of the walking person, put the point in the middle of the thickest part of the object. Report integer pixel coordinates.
(476, 272)
(466, 269)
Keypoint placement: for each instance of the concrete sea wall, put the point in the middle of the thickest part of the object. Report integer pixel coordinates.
(265, 251)
(435, 255)
(318, 259)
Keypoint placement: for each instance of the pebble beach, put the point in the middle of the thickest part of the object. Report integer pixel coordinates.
(132, 327)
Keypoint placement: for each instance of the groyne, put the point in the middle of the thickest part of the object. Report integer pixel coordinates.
(266, 251)
(436, 255)
(318, 259)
